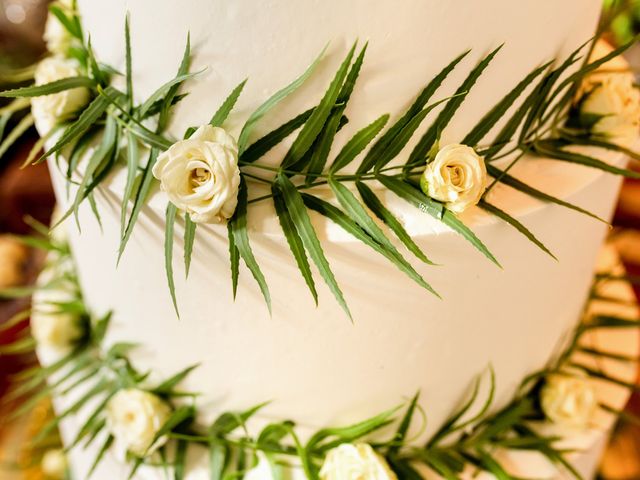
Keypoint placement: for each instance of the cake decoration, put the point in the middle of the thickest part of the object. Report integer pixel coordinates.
(208, 178)
(156, 423)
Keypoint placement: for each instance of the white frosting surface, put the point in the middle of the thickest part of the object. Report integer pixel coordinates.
(271, 42)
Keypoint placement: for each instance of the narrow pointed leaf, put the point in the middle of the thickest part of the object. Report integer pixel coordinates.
(170, 220)
(227, 106)
(487, 122)
(273, 138)
(436, 210)
(419, 153)
(356, 211)
(274, 100)
(513, 182)
(515, 224)
(316, 121)
(377, 207)
(417, 106)
(358, 143)
(295, 242)
(189, 238)
(49, 88)
(241, 240)
(305, 229)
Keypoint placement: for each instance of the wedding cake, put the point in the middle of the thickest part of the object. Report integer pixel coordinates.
(312, 280)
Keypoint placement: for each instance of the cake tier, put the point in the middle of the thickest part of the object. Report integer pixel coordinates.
(271, 42)
(317, 367)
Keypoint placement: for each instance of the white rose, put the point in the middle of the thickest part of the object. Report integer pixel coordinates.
(457, 176)
(48, 110)
(616, 100)
(50, 326)
(200, 175)
(355, 462)
(568, 398)
(54, 464)
(134, 417)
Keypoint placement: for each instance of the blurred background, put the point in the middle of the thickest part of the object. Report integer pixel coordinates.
(26, 193)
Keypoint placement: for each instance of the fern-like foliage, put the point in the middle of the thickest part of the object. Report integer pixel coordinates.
(533, 116)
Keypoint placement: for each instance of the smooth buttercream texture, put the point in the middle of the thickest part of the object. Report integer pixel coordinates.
(271, 42)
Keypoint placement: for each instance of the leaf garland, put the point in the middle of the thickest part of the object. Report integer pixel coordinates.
(470, 437)
(113, 118)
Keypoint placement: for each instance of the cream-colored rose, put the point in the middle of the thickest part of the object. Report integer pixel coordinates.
(614, 98)
(457, 176)
(48, 110)
(134, 417)
(355, 462)
(568, 398)
(50, 326)
(57, 38)
(200, 175)
(54, 464)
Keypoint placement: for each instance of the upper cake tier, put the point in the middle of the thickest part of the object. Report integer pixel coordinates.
(271, 42)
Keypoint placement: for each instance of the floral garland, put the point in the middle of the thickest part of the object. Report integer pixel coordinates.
(75, 102)
(156, 423)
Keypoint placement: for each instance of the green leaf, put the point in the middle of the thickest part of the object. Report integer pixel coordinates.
(101, 159)
(487, 122)
(610, 321)
(320, 152)
(49, 427)
(419, 153)
(273, 138)
(302, 222)
(417, 106)
(180, 461)
(93, 420)
(610, 355)
(218, 459)
(358, 143)
(189, 237)
(178, 417)
(515, 224)
(88, 117)
(166, 387)
(100, 455)
(227, 106)
(519, 185)
(402, 138)
(25, 124)
(436, 210)
(598, 142)
(234, 259)
(241, 240)
(348, 434)
(139, 201)
(49, 88)
(295, 242)
(548, 148)
(492, 466)
(128, 69)
(274, 100)
(162, 92)
(316, 121)
(69, 24)
(183, 70)
(405, 423)
(170, 220)
(358, 214)
(132, 170)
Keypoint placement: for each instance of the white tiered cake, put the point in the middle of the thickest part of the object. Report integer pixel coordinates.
(316, 366)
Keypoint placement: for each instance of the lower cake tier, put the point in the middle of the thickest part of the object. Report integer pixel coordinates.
(313, 364)
(582, 443)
